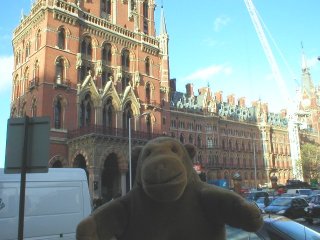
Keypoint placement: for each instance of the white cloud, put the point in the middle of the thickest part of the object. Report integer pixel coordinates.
(220, 22)
(6, 68)
(207, 73)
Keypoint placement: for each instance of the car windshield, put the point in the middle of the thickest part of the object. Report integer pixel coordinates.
(281, 202)
(294, 229)
(260, 200)
(305, 192)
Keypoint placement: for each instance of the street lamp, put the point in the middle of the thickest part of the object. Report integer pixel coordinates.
(129, 129)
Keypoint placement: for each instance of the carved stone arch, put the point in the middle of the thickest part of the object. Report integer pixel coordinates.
(116, 103)
(134, 106)
(64, 101)
(80, 152)
(152, 87)
(66, 61)
(95, 98)
(54, 162)
(67, 30)
(121, 159)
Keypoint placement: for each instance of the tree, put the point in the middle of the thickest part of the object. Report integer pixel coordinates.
(310, 161)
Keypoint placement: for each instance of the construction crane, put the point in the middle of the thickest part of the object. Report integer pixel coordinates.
(293, 125)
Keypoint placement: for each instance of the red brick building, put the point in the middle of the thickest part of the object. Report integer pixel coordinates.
(96, 67)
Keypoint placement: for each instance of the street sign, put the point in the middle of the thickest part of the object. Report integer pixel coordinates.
(27, 140)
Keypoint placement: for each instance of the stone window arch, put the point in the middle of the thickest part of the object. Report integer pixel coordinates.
(86, 47)
(127, 115)
(86, 111)
(27, 51)
(36, 71)
(147, 66)
(108, 114)
(105, 7)
(181, 137)
(58, 112)
(191, 138)
(125, 59)
(61, 38)
(148, 92)
(26, 79)
(125, 81)
(61, 70)
(107, 53)
(145, 17)
(38, 40)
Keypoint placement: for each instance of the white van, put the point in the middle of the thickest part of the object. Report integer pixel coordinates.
(298, 191)
(55, 202)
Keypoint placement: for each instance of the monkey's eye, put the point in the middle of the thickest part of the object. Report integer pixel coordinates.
(174, 149)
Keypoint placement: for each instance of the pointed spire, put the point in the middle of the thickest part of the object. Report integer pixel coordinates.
(304, 64)
(163, 27)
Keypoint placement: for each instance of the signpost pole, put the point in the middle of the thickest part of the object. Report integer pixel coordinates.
(23, 179)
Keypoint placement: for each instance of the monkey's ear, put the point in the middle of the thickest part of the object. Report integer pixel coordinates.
(191, 149)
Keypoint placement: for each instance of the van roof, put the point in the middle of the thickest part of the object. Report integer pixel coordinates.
(54, 174)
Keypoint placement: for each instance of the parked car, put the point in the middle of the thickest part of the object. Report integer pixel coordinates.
(253, 196)
(300, 191)
(291, 207)
(313, 210)
(275, 227)
(261, 202)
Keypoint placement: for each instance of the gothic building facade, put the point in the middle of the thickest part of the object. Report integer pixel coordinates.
(98, 69)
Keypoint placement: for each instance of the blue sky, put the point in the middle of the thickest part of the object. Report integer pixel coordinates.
(211, 43)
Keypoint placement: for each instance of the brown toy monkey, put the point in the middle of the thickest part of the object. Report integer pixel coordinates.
(169, 202)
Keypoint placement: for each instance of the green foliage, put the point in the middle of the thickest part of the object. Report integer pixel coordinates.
(310, 161)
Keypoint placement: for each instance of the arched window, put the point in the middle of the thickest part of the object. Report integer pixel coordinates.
(148, 93)
(132, 5)
(127, 115)
(27, 53)
(107, 114)
(61, 38)
(85, 111)
(86, 47)
(36, 72)
(107, 54)
(106, 6)
(58, 114)
(125, 81)
(181, 138)
(145, 9)
(60, 71)
(147, 66)
(38, 40)
(199, 141)
(125, 59)
(145, 17)
(191, 138)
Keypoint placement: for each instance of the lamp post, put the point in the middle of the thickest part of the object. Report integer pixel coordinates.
(129, 135)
